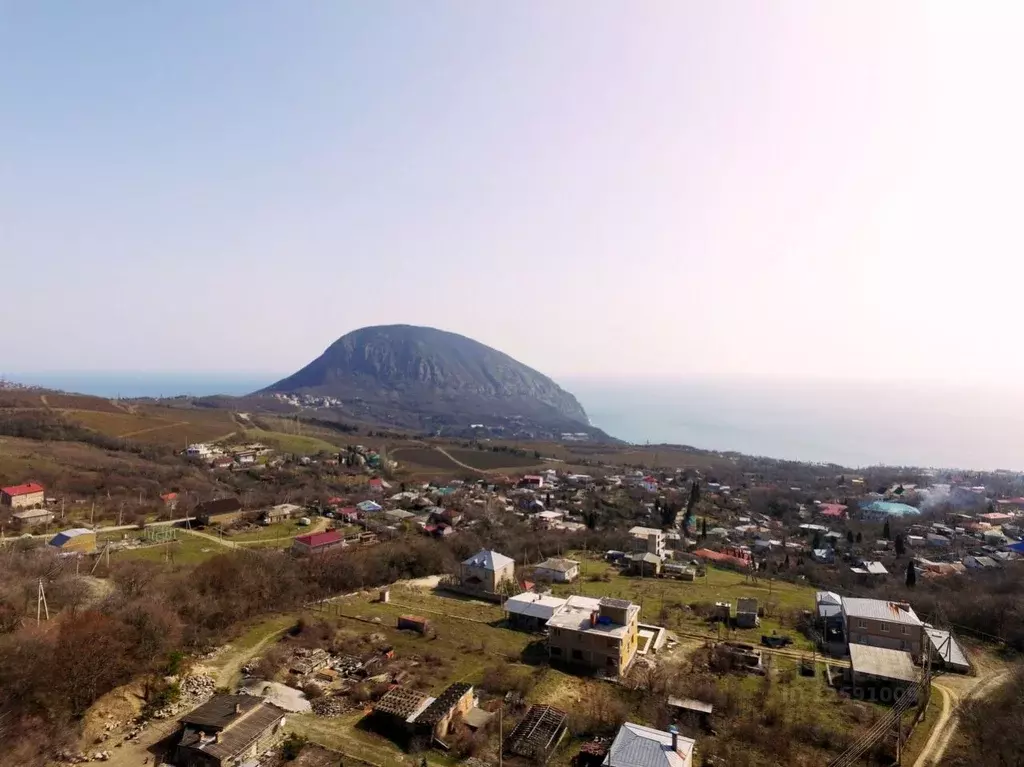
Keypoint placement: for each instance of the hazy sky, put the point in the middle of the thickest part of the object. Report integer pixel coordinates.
(597, 188)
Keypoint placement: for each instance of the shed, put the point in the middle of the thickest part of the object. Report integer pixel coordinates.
(78, 540)
(456, 700)
(946, 651)
(746, 613)
(413, 623)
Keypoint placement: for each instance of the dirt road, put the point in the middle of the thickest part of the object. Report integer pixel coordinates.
(954, 691)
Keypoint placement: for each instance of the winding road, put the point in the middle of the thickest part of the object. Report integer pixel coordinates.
(944, 729)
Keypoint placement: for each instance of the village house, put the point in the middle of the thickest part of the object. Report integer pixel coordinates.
(228, 730)
(600, 634)
(879, 623)
(23, 496)
(557, 570)
(317, 543)
(648, 539)
(872, 667)
(28, 518)
(487, 571)
(636, 746)
(199, 450)
(644, 564)
(532, 480)
(279, 513)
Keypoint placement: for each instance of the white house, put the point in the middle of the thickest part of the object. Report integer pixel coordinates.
(198, 450)
(648, 539)
(557, 570)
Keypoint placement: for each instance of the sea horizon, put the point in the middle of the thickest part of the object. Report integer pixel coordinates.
(853, 425)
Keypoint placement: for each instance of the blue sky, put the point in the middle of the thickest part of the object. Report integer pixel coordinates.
(597, 188)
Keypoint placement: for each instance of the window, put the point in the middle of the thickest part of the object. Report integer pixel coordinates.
(904, 630)
(612, 662)
(862, 624)
(884, 628)
(577, 655)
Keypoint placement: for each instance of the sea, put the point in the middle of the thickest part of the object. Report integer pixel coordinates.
(852, 424)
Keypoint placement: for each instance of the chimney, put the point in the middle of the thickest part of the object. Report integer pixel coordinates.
(216, 737)
(593, 618)
(238, 708)
(675, 738)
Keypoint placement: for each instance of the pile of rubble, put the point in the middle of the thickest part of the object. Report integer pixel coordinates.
(80, 757)
(195, 690)
(325, 706)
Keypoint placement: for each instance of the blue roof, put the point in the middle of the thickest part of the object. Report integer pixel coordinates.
(1017, 547)
(369, 506)
(891, 508)
(61, 538)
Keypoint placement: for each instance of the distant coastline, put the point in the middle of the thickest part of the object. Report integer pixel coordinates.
(849, 425)
(130, 385)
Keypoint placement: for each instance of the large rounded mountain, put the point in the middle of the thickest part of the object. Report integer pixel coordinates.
(442, 377)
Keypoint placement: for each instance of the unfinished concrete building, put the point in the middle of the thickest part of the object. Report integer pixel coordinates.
(600, 634)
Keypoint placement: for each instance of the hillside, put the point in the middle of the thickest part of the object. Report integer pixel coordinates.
(427, 378)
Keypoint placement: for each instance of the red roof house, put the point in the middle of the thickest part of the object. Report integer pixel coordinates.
(833, 510)
(29, 494)
(314, 543)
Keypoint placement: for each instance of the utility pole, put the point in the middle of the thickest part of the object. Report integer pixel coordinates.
(41, 606)
(500, 732)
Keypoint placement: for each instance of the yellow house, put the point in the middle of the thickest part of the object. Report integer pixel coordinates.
(600, 634)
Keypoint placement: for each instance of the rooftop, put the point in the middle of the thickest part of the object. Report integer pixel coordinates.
(558, 565)
(576, 612)
(644, 531)
(533, 605)
(489, 560)
(882, 662)
(639, 746)
(880, 610)
(25, 489)
(403, 702)
(220, 711)
(320, 539)
(238, 730)
(443, 703)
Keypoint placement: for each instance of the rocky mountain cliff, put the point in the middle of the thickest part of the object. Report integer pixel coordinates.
(440, 376)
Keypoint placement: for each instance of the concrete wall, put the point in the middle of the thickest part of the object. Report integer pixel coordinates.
(897, 636)
(23, 501)
(611, 654)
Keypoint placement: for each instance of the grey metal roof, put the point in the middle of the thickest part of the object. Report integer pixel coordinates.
(880, 610)
(558, 565)
(882, 662)
(639, 746)
(946, 646)
(489, 560)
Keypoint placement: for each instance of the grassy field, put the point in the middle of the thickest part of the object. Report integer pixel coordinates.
(664, 601)
(186, 550)
(414, 458)
(288, 528)
(489, 460)
(299, 444)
